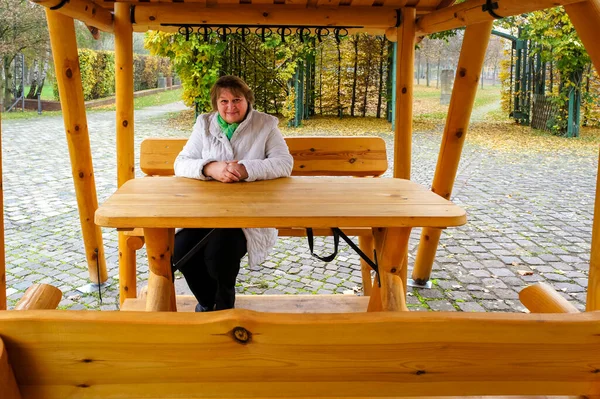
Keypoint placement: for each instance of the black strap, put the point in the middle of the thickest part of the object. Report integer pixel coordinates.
(490, 6)
(60, 5)
(337, 233)
(191, 252)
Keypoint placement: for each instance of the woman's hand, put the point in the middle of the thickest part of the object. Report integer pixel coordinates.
(226, 172)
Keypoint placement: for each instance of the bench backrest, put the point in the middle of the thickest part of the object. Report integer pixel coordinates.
(245, 354)
(313, 156)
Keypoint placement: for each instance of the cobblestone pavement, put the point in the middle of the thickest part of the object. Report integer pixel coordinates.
(530, 217)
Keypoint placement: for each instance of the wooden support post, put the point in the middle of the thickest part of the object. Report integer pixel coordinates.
(471, 12)
(161, 293)
(68, 77)
(391, 245)
(2, 250)
(365, 243)
(8, 384)
(541, 298)
(585, 17)
(461, 104)
(125, 133)
(405, 60)
(40, 296)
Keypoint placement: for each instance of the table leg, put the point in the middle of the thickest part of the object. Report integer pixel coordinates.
(391, 245)
(161, 292)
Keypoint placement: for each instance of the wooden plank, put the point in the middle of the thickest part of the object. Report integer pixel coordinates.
(470, 12)
(165, 202)
(274, 303)
(8, 384)
(58, 354)
(313, 156)
(250, 14)
(68, 77)
(470, 63)
(83, 10)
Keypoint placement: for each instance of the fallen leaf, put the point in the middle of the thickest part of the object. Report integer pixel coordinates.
(525, 272)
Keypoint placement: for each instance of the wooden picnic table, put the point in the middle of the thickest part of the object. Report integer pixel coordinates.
(392, 207)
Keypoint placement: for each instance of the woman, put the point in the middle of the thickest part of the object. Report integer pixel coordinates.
(233, 144)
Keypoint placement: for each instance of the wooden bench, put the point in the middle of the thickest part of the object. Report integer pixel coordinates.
(246, 354)
(313, 156)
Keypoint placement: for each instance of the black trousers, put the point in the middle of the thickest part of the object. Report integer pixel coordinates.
(212, 271)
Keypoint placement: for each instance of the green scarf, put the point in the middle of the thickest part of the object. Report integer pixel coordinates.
(227, 128)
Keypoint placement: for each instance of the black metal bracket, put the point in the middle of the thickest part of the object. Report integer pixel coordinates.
(60, 5)
(490, 6)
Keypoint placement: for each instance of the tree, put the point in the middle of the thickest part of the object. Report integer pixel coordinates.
(22, 29)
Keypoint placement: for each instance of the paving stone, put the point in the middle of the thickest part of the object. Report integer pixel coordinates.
(470, 307)
(443, 306)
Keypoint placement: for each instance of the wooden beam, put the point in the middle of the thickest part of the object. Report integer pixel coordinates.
(541, 298)
(470, 62)
(248, 14)
(2, 249)
(585, 17)
(84, 10)
(125, 133)
(161, 293)
(40, 296)
(366, 245)
(68, 77)
(471, 12)
(405, 60)
(244, 354)
(8, 384)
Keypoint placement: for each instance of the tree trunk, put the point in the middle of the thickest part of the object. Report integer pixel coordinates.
(427, 72)
(419, 69)
(339, 81)
(355, 43)
(7, 81)
(380, 87)
(367, 79)
(437, 82)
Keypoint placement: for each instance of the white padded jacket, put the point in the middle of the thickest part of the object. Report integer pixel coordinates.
(258, 144)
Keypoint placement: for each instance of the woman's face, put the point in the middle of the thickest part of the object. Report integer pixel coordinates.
(231, 107)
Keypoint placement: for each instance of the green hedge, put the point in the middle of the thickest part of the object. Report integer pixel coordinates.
(98, 73)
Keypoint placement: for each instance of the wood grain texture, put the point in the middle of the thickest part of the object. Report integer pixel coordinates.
(59, 354)
(83, 10)
(273, 303)
(313, 156)
(68, 78)
(470, 12)
(8, 384)
(542, 298)
(39, 296)
(298, 202)
(469, 67)
(585, 17)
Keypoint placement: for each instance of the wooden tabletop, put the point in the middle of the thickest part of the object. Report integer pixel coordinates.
(288, 202)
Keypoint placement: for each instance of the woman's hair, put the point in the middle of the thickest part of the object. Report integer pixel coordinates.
(236, 85)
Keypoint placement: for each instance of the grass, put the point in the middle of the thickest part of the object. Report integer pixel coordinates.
(47, 91)
(166, 97)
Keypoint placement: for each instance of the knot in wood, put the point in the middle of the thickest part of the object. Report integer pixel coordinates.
(352, 160)
(265, 14)
(459, 133)
(312, 150)
(420, 372)
(69, 73)
(152, 18)
(462, 72)
(94, 11)
(125, 123)
(241, 335)
(404, 90)
(393, 270)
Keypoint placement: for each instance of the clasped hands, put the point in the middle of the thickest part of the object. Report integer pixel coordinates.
(226, 171)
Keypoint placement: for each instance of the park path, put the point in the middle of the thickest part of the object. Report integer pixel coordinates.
(529, 217)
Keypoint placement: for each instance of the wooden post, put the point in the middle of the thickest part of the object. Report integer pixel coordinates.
(161, 293)
(40, 296)
(541, 298)
(585, 17)
(68, 77)
(2, 251)
(470, 63)
(391, 245)
(125, 133)
(366, 245)
(405, 60)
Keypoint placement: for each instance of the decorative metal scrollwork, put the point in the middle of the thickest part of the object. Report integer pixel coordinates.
(304, 33)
